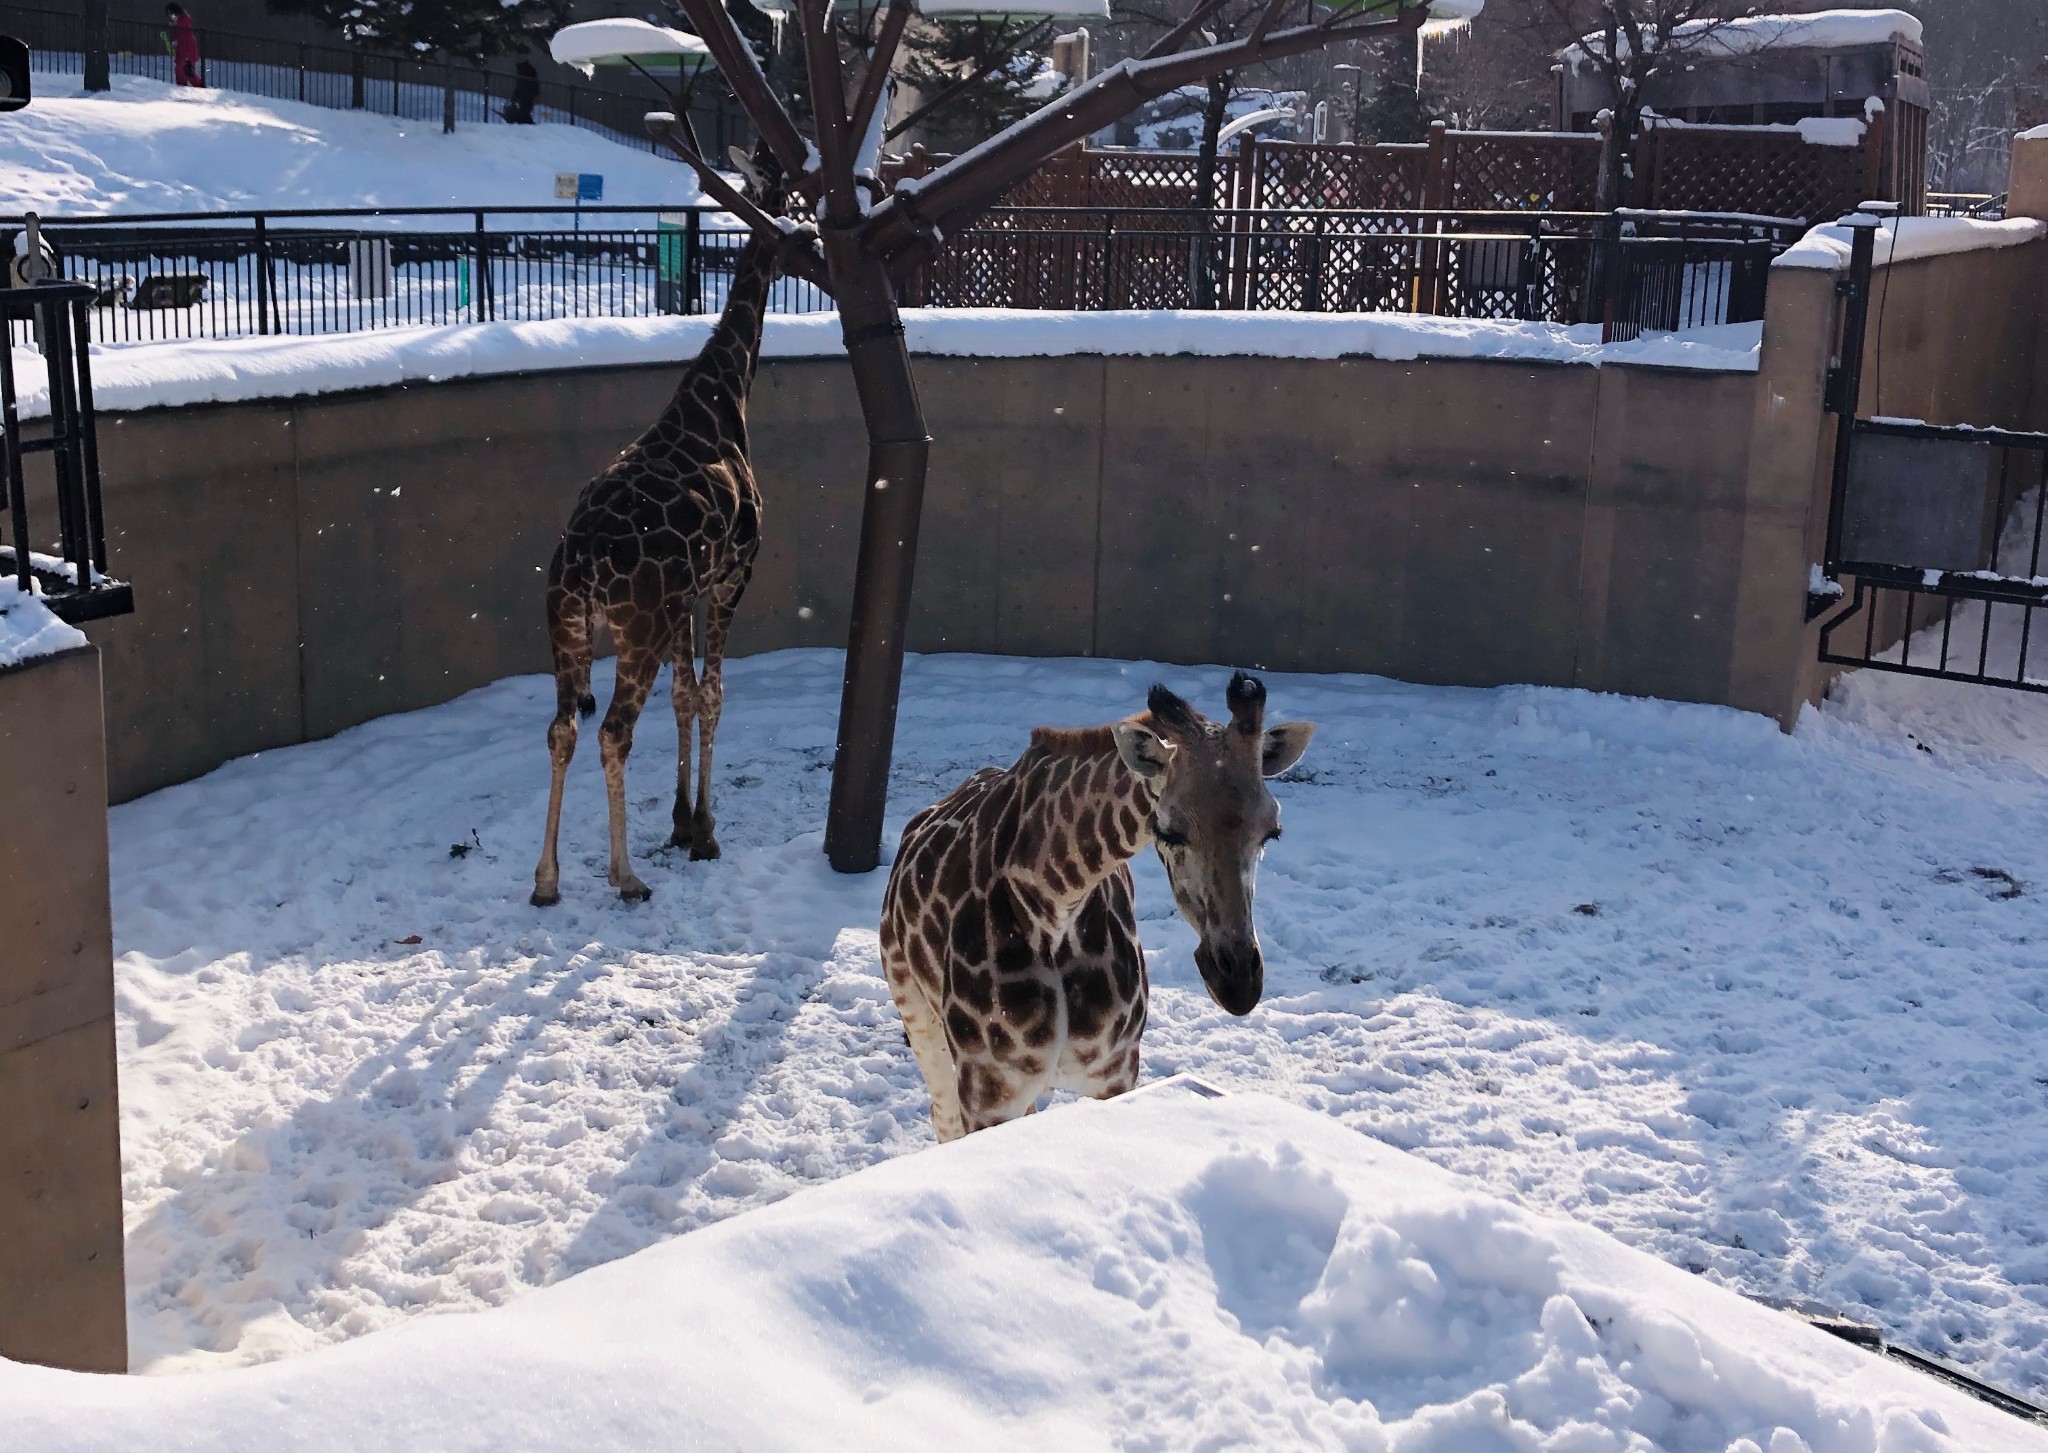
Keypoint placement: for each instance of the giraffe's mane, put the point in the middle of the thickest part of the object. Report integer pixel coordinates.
(1073, 741)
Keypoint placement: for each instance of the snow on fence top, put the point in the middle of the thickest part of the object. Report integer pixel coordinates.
(1162, 1271)
(28, 629)
(1821, 30)
(235, 370)
(1904, 239)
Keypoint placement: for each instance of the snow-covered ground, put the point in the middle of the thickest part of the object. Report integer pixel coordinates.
(148, 147)
(1769, 1007)
(1168, 1272)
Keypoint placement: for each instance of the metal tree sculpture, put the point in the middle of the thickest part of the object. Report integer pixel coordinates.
(868, 241)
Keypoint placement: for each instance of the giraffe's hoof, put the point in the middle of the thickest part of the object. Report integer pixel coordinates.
(682, 837)
(545, 897)
(703, 849)
(634, 891)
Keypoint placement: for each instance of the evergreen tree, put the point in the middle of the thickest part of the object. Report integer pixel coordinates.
(467, 29)
(941, 55)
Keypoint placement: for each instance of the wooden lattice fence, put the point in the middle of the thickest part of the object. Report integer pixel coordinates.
(1769, 171)
(1433, 227)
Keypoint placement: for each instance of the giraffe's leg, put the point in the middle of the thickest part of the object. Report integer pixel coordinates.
(725, 599)
(992, 1093)
(927, 1036)
(569, 634)
(637, 668)
(683, 691)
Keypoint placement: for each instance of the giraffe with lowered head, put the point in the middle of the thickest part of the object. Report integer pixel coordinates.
(674, 520)
(1009, 930)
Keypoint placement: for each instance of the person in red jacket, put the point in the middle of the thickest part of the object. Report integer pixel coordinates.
(184, 42)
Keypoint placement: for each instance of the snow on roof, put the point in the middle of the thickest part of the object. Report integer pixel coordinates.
(132, 376)
(2037, 133)
(589, 44)
(1903, 239)
(1819, 30)
(1166, 1270)
(28, 629)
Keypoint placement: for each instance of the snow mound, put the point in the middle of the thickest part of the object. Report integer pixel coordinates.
(28, 629)
(149, 147)
(1166, 1272)
(1905, 239)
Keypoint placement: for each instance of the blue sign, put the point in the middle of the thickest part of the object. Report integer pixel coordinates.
(590, 186)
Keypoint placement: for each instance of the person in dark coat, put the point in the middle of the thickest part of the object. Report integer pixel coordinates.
(525, 91)
(184, 45)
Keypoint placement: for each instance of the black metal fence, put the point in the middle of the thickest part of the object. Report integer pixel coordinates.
(306, 272)
(232, 275)
(72, 576)
(1942, 526)
(342, 78)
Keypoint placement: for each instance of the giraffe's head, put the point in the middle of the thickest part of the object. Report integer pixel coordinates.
(1213, 819)
(761, 177)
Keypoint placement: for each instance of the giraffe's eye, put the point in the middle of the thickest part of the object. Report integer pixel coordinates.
(1168, 837)
(1273, 832)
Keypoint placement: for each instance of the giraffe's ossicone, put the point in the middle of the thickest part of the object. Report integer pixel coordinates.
(1009, 930)
(675, 520)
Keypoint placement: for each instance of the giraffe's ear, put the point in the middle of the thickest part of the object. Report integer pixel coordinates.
(744, 165)
(1283, 747)
(1144, 752)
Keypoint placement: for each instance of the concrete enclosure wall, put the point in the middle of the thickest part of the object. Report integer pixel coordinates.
(303, 565)
(62, 1299)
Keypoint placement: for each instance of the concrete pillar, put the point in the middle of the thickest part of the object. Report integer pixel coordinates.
(2027, 186)
(63, 1301)
(1774, 667)
(2027, 196)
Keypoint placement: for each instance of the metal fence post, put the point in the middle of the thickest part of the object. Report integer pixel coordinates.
(448, 93)
(693, 263)
(262, 276)
(302, 72)
(1846, 395)
(483, 301)
(355, 81)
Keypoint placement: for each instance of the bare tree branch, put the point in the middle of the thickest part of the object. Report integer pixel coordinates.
(875, 83)
(735, 59)
(904, 226)
(802, 260)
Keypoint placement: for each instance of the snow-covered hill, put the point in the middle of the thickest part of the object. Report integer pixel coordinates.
(148, 147)
(1162, 1273)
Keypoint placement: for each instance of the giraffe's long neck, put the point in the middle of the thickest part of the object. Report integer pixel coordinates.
(718, 379)
(1081, 815)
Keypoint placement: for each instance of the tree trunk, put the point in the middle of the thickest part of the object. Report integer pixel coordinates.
(1213, 112)
(898, 447)
(97, 76)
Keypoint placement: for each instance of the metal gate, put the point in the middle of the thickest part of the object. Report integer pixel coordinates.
(1934, 526)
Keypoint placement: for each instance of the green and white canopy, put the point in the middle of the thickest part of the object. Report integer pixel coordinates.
(975, 9)
(621, 41)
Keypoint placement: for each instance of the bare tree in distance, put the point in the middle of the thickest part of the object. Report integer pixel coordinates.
(868, 240)
(1633, 45)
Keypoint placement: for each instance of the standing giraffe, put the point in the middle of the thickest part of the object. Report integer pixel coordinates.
(674, 520)
(1009, 933)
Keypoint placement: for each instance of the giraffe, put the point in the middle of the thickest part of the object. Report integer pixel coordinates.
(1009, 931)
(674, 520)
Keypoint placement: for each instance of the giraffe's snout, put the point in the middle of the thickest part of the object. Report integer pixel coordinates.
(1235, 971)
